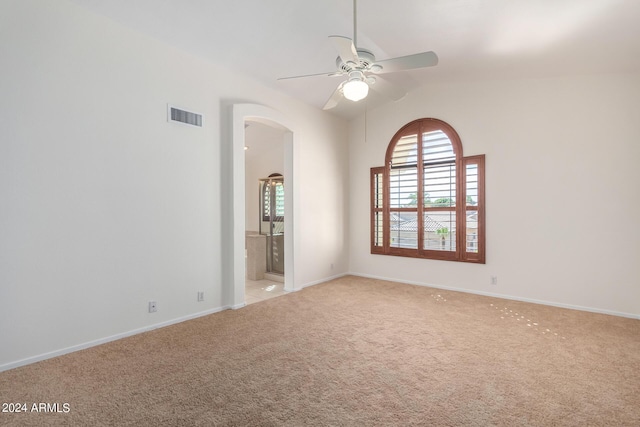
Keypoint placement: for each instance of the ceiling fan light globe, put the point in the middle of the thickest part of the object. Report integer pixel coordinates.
(355, 90)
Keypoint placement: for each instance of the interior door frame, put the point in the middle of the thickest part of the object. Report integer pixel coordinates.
(235, 279)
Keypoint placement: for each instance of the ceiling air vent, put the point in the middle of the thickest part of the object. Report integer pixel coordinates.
(175, 114)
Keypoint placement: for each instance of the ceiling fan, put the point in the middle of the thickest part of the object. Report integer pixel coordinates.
(359, 64)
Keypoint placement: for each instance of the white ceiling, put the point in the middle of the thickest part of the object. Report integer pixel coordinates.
(474, 39)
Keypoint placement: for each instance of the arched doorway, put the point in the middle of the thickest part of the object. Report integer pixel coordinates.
(234, 240)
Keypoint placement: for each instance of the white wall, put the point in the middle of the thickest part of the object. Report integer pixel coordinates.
(561, 188)
(105, 205)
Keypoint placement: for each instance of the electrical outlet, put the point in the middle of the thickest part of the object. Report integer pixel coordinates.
(494, 280)
(153, 306)
(200, 296)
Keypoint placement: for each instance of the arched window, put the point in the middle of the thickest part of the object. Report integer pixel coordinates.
(272, 197)
(428, 200)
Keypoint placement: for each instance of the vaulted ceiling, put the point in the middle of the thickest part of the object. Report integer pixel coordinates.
(474, 39)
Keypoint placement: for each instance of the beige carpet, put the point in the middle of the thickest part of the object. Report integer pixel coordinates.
(351, 352)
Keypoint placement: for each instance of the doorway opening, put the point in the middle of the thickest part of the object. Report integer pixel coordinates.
(234, 235)
(265, 216)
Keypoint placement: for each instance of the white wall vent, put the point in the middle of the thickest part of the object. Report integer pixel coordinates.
(175, 114)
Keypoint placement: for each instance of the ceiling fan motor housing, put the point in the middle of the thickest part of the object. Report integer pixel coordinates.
(366, 60)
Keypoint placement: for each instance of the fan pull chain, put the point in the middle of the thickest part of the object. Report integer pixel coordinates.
(366, 108)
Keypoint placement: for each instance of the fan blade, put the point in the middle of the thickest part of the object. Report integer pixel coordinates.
(328, 74)
(346, 49)
(387, 89)
(334, 99)
(409, 62)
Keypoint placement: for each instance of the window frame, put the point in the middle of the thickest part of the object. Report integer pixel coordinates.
(273, 205)
(376, 208)
(461, 208)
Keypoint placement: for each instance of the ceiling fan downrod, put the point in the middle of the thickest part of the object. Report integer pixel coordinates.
(355, 25)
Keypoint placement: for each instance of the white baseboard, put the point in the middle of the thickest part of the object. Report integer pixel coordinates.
(503, 296)
(67, 350)
(326, 279)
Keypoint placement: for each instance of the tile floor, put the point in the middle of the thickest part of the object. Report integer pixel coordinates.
(260, 290)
